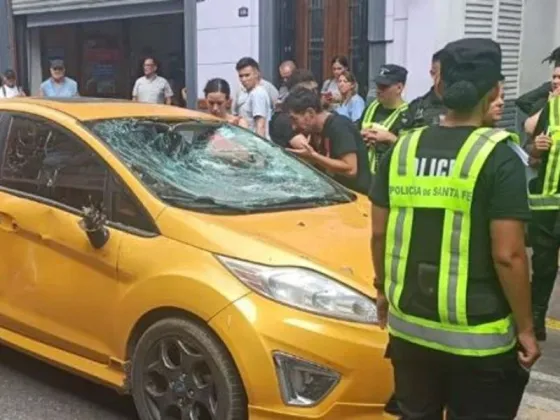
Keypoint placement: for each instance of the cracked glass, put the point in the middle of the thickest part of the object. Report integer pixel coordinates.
(203, 164)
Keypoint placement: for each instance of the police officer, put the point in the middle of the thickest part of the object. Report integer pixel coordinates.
(387, 115)
(544, 199)
(535, 100)
(449, 207)
(428, 109)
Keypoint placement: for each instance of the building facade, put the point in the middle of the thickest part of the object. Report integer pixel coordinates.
(104, 41)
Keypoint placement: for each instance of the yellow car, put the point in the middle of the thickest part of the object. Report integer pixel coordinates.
(187, 262)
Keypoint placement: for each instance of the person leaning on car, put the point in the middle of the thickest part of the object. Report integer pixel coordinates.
(449, 205)
(280, 126)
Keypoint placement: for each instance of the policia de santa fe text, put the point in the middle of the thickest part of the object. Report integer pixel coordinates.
(449, 253)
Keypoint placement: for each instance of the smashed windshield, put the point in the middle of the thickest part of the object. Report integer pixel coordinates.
(199, 164)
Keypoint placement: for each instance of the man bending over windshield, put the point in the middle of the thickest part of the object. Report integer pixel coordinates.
(337, 148)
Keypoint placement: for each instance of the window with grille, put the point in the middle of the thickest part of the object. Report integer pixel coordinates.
(501, 20)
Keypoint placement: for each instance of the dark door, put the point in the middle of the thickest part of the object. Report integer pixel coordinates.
(323, 29)
(286, 13)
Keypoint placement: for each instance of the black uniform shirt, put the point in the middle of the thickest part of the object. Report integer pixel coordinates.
(535, 100)
(426, 110)
(500, 193)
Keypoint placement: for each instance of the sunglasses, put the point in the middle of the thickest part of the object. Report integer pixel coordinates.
(58, 68)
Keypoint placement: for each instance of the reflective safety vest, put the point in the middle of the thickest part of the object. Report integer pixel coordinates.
(388, 123)
(453, 194)
(549, 198)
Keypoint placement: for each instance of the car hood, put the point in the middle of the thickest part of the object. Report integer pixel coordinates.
(334, 240)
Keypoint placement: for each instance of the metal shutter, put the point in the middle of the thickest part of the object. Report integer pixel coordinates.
(508, 34)
(479, 18)
(500, 20)
(26, 7)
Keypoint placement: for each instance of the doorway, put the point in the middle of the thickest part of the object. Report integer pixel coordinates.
(312, 32)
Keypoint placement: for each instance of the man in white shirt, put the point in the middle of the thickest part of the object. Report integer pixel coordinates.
(9, 88)
(152, 88)
(253, 103)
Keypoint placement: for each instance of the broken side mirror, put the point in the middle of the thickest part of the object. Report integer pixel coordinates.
(94, 224)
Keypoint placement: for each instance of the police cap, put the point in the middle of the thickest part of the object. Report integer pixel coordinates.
(471, 67)
(391, 74)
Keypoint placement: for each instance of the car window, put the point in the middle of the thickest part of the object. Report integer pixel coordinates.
(205, 165)
(126, 210)
(46, 161)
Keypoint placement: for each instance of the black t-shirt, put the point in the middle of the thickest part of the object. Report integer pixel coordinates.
(425, 110)
(341, 137)
(500, 193)
(280, 129)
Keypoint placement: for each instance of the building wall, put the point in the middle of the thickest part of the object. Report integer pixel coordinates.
(541, 35)
(414, 30)
(6, 48)
(224, 37)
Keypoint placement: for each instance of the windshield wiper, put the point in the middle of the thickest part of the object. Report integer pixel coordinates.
(302, 202)
(204, 202)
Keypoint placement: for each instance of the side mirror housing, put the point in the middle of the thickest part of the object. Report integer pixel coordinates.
(94, 224)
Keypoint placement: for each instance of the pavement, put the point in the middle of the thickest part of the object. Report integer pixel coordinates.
(32, 390)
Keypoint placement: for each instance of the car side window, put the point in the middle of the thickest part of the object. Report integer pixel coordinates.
(49, 162)
(126, 210)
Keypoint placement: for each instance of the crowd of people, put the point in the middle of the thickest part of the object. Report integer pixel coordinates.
(450, 201)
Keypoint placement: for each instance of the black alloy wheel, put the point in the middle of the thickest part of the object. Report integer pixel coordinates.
(181, 371)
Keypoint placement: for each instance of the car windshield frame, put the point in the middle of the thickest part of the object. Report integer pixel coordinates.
(293, 186)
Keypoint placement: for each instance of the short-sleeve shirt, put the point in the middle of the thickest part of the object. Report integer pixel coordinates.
(330, 86)
(253, 104)
(7, 92)
(273, 93)
(280, 128)
(67, 89)
(341, 137)
(500, 193)
(153, 90)
(426, 110)
(353, 108)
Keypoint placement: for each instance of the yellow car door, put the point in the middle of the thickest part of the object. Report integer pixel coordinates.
(60, 290)
(17, 265)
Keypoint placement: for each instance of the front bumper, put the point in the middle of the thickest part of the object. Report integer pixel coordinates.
(254, 327)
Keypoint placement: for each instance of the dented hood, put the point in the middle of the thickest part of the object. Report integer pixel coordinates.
(334, 239)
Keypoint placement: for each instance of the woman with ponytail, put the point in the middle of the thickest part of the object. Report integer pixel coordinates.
(449, 205)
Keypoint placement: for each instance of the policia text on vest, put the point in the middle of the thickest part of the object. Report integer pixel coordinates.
(453, 194)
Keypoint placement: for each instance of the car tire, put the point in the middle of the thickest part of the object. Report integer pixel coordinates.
(180, 368)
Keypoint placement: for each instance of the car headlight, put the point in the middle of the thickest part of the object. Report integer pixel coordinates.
(305, 289)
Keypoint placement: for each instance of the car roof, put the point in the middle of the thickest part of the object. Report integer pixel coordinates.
(87, 109)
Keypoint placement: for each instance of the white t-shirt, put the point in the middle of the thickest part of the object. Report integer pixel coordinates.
(9, 92)
(253, 104)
